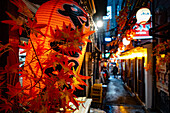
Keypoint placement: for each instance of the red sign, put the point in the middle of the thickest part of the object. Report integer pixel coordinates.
(142, 31)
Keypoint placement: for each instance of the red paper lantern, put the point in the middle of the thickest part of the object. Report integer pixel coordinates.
(105, 64)
(54, 13)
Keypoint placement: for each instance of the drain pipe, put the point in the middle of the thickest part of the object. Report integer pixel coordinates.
(154, 93)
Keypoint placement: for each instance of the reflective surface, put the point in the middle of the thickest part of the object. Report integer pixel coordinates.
(117, 99)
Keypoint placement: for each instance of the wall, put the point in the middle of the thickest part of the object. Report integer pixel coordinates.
(148, 78)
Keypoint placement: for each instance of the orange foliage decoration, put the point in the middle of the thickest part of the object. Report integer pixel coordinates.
(60, 14)
(130, 34)
(123, 16)
(148, 66)
(162, 47)
(108, 25)
(53, 57)
(121, 21)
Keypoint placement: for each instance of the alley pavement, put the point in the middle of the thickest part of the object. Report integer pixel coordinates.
(117, 99)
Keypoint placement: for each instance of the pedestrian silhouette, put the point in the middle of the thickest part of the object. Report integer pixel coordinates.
(114, 71)
(105, 74)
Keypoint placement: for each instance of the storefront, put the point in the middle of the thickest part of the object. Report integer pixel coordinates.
(134, 74)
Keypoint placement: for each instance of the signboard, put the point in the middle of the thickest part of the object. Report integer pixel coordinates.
(142, 31)
(109, 13)
(143, 15)
(108, 39)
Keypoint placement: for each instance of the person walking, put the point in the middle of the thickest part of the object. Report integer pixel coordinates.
(114, 71)
(105, 75)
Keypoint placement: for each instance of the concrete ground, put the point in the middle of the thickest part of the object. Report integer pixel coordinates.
(117, 99)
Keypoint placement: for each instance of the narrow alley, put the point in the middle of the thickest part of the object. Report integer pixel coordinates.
(117, 99)
(85, 56)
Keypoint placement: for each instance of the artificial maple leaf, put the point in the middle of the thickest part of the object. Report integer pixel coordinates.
(65, 28)
(7, 107)
(77, 75)
(108, 25)
(32, 94)
(148, 66)
(77, 79)
(24, 73)
(57, 35)
(64, 50)
(22, 8)
(11, 69)
(17, 23)
(69, 97)
(34, 27)
(65, 77)
(40, 50)
(62, 82)
(15, 90)
(25, 47)
(35, 104)
(53, 60)
(66, 67)
(76, 84)
(75, 48)
(1, 83)
(84, 77)
(4, 48)
(84, 36)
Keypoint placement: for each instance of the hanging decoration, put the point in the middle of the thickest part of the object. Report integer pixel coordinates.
(58, 14)
(108, 25)
(130, 34)
(58, 35)
(143, 15)
(125, 42)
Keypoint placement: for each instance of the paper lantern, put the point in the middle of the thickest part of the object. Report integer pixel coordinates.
(130, 34)
(143, 15)
(125, 41)
(54, 13)
(105, 64)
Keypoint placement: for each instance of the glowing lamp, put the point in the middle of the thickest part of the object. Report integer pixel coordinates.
(54, 13)
(99, 23)
(129, 34)
(125, 41)
(105, 64)
(143, 15)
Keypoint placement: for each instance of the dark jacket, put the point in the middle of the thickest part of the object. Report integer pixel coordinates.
(115, 70)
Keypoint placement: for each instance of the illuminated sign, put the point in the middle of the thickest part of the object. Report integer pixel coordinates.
(109, 13)
(142, 31)
(143, 15)
(107, 39)
(106, 55)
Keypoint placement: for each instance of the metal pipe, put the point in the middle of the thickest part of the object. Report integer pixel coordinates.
(154, 58)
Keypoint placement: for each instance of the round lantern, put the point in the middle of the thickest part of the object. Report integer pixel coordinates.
(105, 64)
(125, 41)
(55, 13)
(143, 15)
